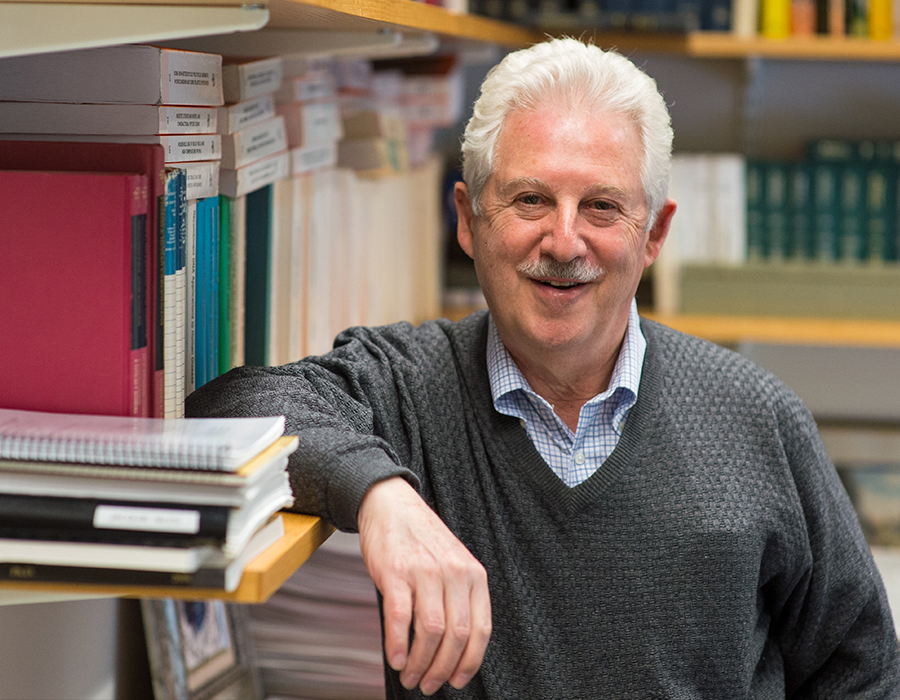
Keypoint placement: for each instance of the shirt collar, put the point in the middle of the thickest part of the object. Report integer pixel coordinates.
(505, 376)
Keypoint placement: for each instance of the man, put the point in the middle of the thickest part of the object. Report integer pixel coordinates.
(559, 500)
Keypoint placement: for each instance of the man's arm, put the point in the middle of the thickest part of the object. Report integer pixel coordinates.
(837, 633)
(427, 578)
(351, 468)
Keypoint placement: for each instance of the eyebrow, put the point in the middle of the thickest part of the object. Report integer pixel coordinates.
(519, 183)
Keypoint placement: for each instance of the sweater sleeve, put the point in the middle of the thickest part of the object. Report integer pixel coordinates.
(349, 408)
(837, 634)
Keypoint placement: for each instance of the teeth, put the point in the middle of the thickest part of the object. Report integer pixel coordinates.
(564, 285)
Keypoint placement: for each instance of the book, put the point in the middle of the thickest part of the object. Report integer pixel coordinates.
(251, 143)
(237, 268)
(200, 443)
(258, 283)
(121, 556)
(61, 518)
(172, 256)
(205, 298)
(260, 475)
(148, 160)
(244, 79)
(225, 317)
(67, 118)
(775, 18)
(236, 182)
(215, 569)
(178, 148)
(126, 74)
(311, 123)
(73, 277)
(237, 116)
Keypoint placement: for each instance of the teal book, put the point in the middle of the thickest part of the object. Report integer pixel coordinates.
(801, 241)
(851, 185)
(775, 193)
(201, 285)
(835, 199)
(258, 277)
(224, 276)
(756, 229)
(879, 200)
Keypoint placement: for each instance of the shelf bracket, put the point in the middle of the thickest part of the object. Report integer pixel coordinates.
(39, 27)
(271, 41)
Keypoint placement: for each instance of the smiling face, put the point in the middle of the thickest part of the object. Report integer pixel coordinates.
(561, 241)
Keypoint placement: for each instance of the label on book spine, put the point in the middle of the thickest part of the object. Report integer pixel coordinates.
(108, 517)
(247, 113)
(188, 120)
(190, 148)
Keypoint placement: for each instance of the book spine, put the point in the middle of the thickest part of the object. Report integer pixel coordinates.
(187, 120)
(121, 522)
(258, 278)
(212, 362)
(254, 142)
(243, 81)
(311, 158)
(225, 288)
(181, 291)
(202, 178)
(241, 181)
(169, 265)
(775, 18)
(825, 222)
(88, 575)
(182, 148)
(141, 200)
(191, 78)
(803, 244)
(239, 116)
(756, 227)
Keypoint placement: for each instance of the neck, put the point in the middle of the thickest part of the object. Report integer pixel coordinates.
(566, 381)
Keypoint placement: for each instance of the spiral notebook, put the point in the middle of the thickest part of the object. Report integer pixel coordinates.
(222, 444)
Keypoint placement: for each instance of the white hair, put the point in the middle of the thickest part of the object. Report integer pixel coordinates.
(571, 74)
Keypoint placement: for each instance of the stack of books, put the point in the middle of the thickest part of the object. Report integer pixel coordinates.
(115, 500)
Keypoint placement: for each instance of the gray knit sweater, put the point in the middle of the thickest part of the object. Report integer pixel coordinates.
(713, 555)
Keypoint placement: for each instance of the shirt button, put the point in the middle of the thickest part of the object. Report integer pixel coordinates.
(522, 422)
(579, 458)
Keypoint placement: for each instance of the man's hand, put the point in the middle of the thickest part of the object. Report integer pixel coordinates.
(428, 578)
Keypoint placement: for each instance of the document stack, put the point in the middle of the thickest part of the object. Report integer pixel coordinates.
(116, 500)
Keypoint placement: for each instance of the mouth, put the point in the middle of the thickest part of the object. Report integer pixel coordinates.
(559, 284)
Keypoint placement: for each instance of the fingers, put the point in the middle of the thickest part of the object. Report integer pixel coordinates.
(452, 629)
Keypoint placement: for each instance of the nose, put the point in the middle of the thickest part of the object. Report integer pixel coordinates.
(562, 239)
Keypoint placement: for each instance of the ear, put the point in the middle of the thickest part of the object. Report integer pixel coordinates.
(659, 231)
(465, 218)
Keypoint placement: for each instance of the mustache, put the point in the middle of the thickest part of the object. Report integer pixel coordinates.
(577, 270)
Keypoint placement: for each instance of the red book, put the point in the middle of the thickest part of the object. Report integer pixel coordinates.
(72, 283)
(146, 159)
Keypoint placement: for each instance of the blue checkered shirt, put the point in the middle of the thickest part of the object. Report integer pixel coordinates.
(572, 456)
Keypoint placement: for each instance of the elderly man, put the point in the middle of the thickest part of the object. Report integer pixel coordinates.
(557, 499)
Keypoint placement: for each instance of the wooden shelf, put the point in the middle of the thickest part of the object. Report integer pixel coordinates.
(725, 45)
(372, 15)
(730, 330)
(262, 577)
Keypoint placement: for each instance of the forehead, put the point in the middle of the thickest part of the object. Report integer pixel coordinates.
(551, 142)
